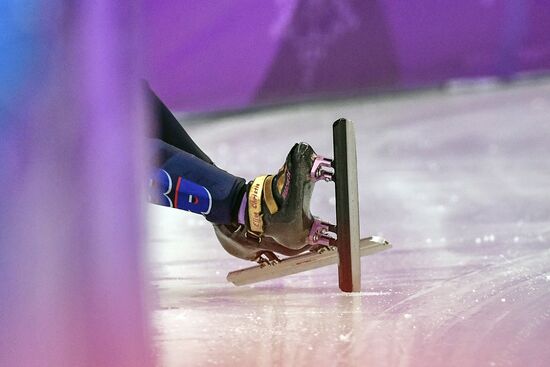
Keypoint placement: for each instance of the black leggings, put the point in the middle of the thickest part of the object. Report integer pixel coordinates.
(169, 130)
(185, 177)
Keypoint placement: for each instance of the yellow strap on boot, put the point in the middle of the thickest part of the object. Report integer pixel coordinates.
(268, 196)
(255, 205)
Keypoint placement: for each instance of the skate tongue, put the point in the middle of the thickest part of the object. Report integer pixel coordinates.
(283, 181)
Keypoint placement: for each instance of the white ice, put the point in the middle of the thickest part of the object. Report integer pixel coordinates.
(458, 181)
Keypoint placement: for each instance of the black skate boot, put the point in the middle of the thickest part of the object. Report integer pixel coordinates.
(277, 217)
(235, 241)
(278, 206)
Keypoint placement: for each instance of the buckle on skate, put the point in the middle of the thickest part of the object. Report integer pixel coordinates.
(266, 258)
(253, 236)
(322, 169)
(320, 233)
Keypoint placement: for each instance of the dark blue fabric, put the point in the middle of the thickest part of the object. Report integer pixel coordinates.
(167, 127)
(203, 188)
(184, 176)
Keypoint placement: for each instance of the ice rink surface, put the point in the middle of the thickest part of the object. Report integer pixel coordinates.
(458, 181)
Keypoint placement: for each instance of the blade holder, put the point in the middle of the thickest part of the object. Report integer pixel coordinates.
(320, 233)
(322, 169)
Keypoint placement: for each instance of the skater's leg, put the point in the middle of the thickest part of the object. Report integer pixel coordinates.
(186, 182)
(272, 210)
(168, 128)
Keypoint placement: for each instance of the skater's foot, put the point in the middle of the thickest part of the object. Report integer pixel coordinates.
(275, 215)
(278, 205)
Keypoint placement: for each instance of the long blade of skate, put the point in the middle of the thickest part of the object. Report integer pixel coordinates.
(347, 206)
(301, 263)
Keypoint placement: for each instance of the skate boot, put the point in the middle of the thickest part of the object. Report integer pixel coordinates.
(278, 206)
(276, 215)
(235, 241)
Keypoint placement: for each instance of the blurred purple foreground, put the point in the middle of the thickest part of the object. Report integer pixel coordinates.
(71, 166)
(209, 56)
